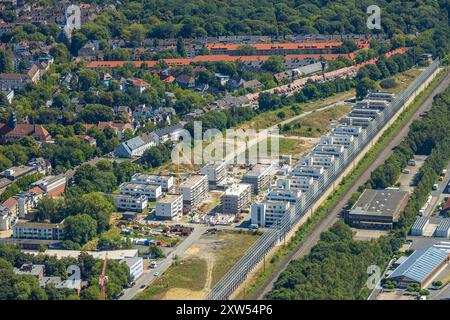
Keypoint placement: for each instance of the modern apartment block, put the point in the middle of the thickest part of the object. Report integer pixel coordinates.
(293, 196)
(169, 207)
(151, 192)
(325, 161)
(348, 130)
(216, 172)
(131, 203)
(267, 213)
(259, 177)
(337, 139)
(42, 231)
(165, 181)
(194, 190)
(236, 198)
(299, 183)
(314, 172)
(328, 149)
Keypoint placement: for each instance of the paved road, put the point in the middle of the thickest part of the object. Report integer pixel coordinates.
(148, 277)
(305, 247)
(438, 195)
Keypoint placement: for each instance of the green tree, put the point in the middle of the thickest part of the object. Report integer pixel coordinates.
(80, 228)
(363, 87)
(5, 61)
(274, 64)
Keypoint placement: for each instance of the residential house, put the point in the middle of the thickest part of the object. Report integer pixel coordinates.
(172, 133)
(135, 147)
(185, 81)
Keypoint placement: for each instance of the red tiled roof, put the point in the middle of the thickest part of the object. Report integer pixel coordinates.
(213, 58)
(37, 190)
(284, 46)
(10, 203)
(24, 129)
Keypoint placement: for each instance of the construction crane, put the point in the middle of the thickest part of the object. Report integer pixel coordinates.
(103, 278)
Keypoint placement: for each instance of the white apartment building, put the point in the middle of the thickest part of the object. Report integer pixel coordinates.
(7, 218)
(356, 121)
(216, 172)
(151, 192)
(325, 161)
(194, 190)
(337, 139)
(259, 177)
(334, 150)
(293, 196)
(236, 198)
(314, 172)
(131, 203)
(381, 96)
(364, 113)
(267, 213)
(299, 183)
(135, 265)
(349, 130)
(169, 207)
(42, 231)
(165, 181)
(372, 104)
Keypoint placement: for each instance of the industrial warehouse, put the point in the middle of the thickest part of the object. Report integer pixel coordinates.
(377, 209)
(420, 267)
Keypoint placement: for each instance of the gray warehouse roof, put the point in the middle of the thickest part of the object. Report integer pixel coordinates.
(379, 202)
(420, 264)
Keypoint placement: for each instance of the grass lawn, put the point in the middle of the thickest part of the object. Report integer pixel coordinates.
(188, 274)
(291, 147)
(403, 80)
(270, 118)
(317, 123)
(235, 247)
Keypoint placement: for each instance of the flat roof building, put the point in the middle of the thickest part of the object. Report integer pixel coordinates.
(135, 265)
(44, 231)
(299, 183)
(165, 181)
(216, 172)
(151, 191)
(130, 203)
(349, 130)
(337, 139)
(259, 177)
(334, 150)
(314, 172)
(236, 198)
(377, 209)
(325, 161)
(194, 190)
(169, 207)
(363, 122)
(267, 213)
